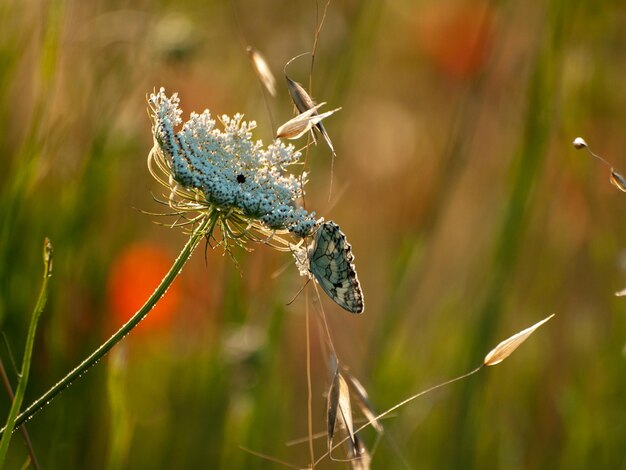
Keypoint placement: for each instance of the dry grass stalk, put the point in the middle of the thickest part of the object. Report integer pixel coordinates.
(262, 70)
(359, 455)
(506, 347)
(616, 178)
(495, 356)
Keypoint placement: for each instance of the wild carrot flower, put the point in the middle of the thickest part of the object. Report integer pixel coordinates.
(242, 187)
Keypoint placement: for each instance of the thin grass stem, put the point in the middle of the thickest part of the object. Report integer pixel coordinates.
(205, 227)
(308, 380)
(399, 405)
(12, 422)
(23, 430)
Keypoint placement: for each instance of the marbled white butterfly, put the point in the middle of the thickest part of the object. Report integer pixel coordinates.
(331, 262)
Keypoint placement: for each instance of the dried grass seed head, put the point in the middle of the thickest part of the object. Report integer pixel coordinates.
(299, 96)
(303, 102)
(617, 180)
(302, 123)
(505, 348)
(339, 407)
(579, 143)
(262, 70)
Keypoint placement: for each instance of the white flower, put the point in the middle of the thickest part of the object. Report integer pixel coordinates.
(226, 175)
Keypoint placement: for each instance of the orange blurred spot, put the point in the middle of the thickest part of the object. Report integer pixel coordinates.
(133, 277)
(456, 36)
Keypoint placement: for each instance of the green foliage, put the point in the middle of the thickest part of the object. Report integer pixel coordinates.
(470, 214)
(28, 353)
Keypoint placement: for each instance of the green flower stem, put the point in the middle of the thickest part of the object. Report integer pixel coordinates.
(66, 381)
(12, 422)
(23, 430)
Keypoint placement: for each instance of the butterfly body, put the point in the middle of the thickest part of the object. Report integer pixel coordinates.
(331, 263)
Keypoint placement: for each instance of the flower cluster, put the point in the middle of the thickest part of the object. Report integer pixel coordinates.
(225, 174)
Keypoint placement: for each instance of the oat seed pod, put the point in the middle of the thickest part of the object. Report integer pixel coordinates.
(262, 70)
(339, 407)
(302, 123)
(617, 180)
(579, 143)
(304, 103)
(506, 347)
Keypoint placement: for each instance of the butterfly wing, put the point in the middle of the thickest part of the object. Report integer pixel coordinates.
(331, 262)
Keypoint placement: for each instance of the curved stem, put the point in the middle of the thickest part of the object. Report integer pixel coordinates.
(66, 381)
(308, 381)
(12, 422)
(398, 405)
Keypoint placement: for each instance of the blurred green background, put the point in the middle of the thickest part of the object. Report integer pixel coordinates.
(470, 214)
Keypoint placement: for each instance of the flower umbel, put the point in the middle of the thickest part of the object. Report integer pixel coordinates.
(241, 186)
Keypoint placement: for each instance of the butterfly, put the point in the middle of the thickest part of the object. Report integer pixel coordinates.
(331, 263)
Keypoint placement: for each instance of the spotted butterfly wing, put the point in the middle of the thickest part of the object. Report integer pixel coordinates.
(330, 261)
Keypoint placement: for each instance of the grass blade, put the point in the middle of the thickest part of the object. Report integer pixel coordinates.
(199, 233)
(29, 445)
(28, 350)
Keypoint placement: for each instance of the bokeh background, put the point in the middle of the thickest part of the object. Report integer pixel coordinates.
(470, 214)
